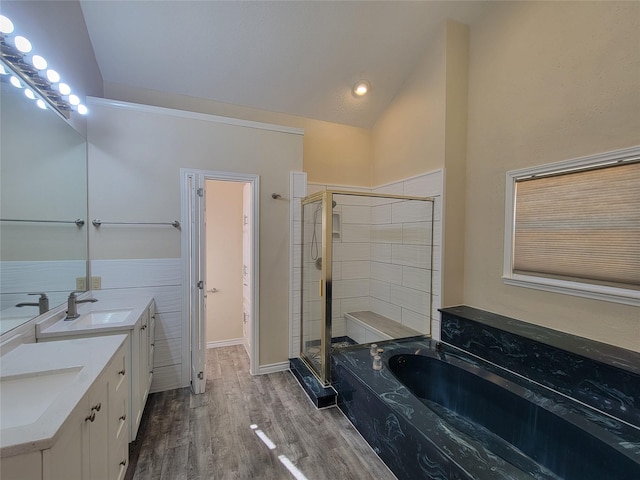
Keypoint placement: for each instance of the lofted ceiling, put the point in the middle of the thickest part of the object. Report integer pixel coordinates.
(295, 57)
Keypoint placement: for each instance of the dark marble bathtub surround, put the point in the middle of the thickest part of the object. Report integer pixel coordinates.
(418, 441)
(319, 395)
(600, 375)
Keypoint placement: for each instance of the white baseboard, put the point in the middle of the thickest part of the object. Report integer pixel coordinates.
(273, 368)
(225, 343)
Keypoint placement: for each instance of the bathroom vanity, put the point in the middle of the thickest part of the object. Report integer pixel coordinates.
(64, 410)
(134, 317)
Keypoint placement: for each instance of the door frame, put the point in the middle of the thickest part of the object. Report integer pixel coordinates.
(189, 323)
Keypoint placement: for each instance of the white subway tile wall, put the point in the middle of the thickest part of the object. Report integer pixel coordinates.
(160, 278)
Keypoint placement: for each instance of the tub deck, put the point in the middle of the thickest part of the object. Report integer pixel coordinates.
(416, 441)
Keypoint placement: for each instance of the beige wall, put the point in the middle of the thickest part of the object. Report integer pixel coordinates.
(135, 158)
(423, 130)
(224, 259)
(547, 82)
(455, 157)
(333, 153)
(408, 139)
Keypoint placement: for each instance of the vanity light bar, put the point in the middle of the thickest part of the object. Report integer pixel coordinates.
(30, 72)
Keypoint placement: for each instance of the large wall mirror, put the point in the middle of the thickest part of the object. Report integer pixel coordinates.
(43, 191)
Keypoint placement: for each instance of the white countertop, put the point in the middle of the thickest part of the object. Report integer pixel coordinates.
(56, 326)
(77, 362)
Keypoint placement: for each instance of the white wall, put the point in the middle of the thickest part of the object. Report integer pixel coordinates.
(135, 156)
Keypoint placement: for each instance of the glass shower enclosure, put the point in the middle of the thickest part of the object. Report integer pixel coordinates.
(367, 272)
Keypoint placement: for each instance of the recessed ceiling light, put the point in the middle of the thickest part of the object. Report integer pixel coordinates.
(361, 88)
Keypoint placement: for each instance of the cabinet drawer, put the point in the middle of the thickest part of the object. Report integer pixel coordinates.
(118, 374)
(118, 419)
(119, 461)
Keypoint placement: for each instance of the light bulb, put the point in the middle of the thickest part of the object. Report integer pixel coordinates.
(39, 62)
(29, 94)
(82, 110)
(6, 25)
(15, 82)
(64, 89)
(41, 104)
(53, 76)
(361, 88)
(74, 100)
(22, 44)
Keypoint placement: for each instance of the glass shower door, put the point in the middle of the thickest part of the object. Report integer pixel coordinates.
(313, 350)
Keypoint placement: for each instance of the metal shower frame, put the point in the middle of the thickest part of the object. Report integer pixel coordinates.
(326, 281)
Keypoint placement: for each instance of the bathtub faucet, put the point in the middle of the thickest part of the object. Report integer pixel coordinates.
(72, 305)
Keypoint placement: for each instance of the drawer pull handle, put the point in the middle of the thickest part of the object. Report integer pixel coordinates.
(143, 327)
(123, 417)
(97, 407)
(153, 344)
(91, 418)
(123, 462)
(122, 372)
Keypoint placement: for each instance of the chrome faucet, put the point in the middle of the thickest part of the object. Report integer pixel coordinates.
(72, 305)
(43, 303)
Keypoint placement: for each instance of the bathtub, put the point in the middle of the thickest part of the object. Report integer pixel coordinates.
(435, 411)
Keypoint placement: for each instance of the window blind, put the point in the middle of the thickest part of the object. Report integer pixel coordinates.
(582, 225)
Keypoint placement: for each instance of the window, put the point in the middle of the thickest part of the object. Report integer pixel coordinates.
(574, 227)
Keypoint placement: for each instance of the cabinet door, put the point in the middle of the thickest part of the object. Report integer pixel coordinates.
(22, 467)
(144, 360)
(152, 342)
(99, 431)
(118, 415)
(69, 456)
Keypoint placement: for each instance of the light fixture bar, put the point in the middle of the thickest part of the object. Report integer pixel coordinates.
(13, 59)
(54, 100)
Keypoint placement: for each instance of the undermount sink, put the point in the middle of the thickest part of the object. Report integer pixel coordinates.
(106, 317)
(26, 397)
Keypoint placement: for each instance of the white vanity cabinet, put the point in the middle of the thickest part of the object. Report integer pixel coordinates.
(92, 444)
(142, 341)
(87, 425)
(140, 329)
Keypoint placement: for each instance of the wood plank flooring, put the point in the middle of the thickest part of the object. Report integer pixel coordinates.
(197, 437)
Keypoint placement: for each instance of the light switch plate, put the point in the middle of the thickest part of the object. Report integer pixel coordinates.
(81, 283)
(96, 283)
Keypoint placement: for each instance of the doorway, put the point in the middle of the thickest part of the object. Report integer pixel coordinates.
(228, 257)
(210, 299)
